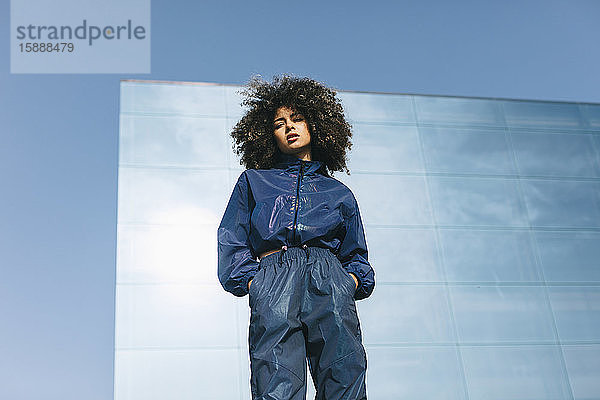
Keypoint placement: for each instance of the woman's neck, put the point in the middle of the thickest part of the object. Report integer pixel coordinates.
(304, 155)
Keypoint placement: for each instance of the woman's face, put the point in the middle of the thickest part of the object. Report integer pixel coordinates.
(291, 133)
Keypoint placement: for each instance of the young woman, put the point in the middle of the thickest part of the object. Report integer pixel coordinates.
(292, 237)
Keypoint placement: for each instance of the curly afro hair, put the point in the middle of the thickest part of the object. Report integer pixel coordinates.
(330, 133)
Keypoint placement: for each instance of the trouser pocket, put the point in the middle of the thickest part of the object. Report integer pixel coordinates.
(255, 287)
(347, 280)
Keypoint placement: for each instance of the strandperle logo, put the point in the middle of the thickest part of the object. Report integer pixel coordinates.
(87, 32)
(80, 36)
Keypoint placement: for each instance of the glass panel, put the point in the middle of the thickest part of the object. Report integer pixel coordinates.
(458, 111)
(243, 316)
(167, 254)
(554, 203)
(167, 288)
(245, 371)
(591, 115)
(596, 141)
(165, 196)
(174, 141)
(404, 255)
(498, 314)
(234, 159)
(370, 107)
(409, 373)
(476, 201)
(174, 316)
(310, 387)
(177, 374)
(233, 102)
(569, 256)
(179, 98)
(583, 366)
(395, 149)
(577, 312)
(466, 151)
(514, 373)
(488, 256)
(397, 200)
(542, 115)
(555, 154)
(420, 315)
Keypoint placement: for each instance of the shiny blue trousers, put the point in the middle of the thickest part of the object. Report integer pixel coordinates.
(302, 306)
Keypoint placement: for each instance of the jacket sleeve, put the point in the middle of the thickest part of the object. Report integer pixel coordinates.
(237, 263)
(353, 254)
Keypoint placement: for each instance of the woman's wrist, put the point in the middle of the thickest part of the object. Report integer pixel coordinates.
(355, 280)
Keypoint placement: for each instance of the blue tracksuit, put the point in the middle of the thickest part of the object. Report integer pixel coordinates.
(301, 298)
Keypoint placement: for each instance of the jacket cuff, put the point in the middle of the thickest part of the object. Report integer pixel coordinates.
(366, 283)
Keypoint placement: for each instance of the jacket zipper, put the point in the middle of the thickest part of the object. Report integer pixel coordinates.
(297, 202)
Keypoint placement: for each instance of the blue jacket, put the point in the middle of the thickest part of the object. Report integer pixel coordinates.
(293, 203)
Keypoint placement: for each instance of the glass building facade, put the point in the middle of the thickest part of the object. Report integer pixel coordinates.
(482, 219)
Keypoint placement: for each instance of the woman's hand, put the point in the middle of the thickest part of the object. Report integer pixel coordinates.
(355, 280)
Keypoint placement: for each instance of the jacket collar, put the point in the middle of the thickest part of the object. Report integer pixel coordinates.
(291, 162)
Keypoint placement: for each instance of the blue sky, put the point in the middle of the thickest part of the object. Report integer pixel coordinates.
(58, 158)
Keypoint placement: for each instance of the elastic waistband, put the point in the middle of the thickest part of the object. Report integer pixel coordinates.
(294, 252)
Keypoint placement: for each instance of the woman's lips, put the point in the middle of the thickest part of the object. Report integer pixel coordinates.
(291, 138)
